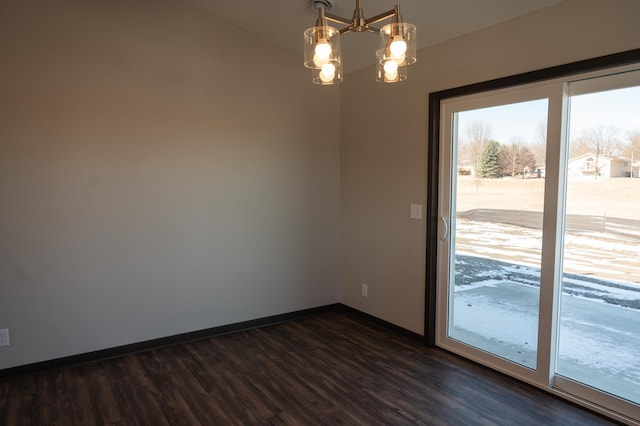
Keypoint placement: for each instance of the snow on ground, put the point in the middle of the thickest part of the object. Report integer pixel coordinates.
(496, 296)
(495, 309)
(475, 271)
(595, 254)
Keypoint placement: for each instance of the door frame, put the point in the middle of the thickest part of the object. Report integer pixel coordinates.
(543, 380)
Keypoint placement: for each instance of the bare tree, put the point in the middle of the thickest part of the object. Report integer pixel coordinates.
(539, 146)
(579, 145)
(515, 158)
(632, 148)
(478, 134)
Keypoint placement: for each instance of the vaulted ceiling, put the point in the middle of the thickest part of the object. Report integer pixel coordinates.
(283, 21)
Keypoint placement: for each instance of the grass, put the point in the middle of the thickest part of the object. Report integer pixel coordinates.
(614, 197)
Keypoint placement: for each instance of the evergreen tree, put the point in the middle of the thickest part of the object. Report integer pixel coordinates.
(489, 161)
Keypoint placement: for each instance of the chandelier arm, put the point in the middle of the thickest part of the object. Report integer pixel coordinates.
(337, 19)
(381, 17)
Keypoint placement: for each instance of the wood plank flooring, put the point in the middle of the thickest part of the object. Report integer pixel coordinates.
(329, 368)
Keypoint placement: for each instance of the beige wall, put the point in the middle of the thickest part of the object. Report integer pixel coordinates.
(160, 172)
(384, 138)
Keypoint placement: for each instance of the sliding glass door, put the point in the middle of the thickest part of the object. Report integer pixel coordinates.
(539, 235)
(599, 328)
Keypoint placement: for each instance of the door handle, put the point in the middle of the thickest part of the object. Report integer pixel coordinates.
(446, 228)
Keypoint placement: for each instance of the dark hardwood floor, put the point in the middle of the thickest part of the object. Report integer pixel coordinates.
(327, 368)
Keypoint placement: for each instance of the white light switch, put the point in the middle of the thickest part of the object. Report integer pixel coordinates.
(416, 211)
(4, 337)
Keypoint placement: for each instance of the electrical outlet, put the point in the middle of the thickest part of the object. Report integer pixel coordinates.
(365, 290)
(4, 337)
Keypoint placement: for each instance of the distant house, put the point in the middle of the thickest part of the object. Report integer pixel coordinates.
(635, 170)
(608, 167)
(538, 172)
(466, 169)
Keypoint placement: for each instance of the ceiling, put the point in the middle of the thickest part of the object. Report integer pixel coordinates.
(282, 22)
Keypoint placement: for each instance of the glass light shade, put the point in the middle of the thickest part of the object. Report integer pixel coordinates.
(329, 73)
(321, 46)
(388, 70)
(398, 40)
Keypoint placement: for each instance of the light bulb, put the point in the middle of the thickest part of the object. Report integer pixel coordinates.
(398, 59)
(390, 67)
(390, 77)
(322, 50)
(319, 62)
(327, 73)
(398, 47)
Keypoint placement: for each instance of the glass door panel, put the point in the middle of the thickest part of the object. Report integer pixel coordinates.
(498, 170)
(599, 330)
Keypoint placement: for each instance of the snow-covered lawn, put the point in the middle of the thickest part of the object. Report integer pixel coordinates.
(586, 254)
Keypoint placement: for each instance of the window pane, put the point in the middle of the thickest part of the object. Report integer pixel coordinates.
(497, 231)
(599, 336)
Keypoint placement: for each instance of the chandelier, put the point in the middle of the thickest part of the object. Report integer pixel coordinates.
(322, 52)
